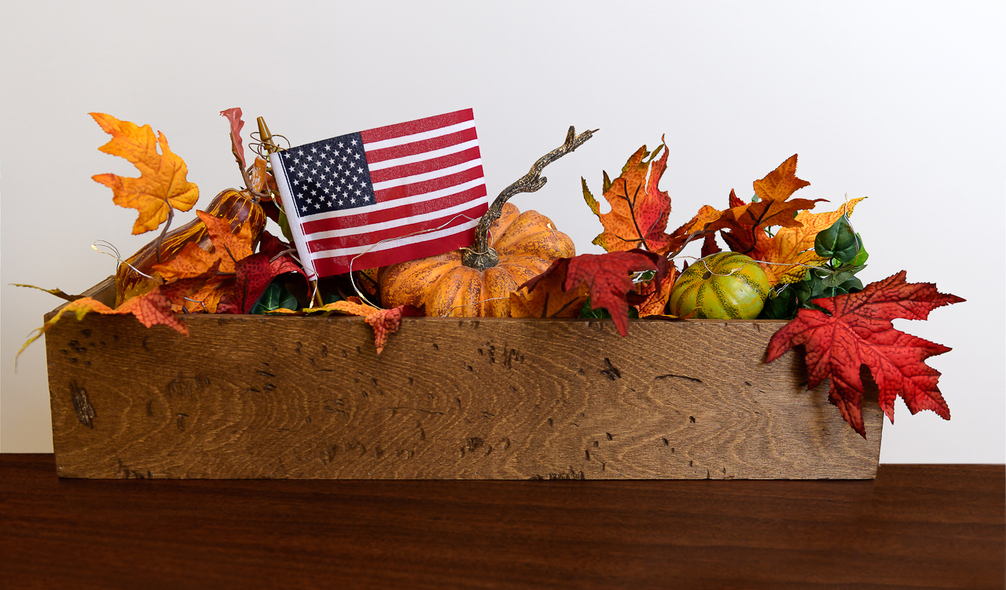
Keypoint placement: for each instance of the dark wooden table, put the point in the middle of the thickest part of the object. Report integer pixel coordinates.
(916, 526)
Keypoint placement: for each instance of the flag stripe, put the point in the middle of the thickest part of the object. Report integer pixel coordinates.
(379, 197)
(382, 257)
(418, 126)
(424, 168)
(389, 193)
(335, 241)
(387, 212)
(382, 158)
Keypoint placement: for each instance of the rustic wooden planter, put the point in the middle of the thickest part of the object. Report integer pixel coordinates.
(288, 397)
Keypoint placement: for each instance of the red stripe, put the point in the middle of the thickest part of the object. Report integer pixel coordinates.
(435, 184)
(419, 147)
(337, 223)
(373, 237)
(339, 265)
(417, 126)
(424, 166)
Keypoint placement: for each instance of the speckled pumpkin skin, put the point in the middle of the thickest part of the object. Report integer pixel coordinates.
(723, 286)
(527, 244)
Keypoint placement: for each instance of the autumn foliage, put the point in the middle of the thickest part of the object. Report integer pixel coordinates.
(225, 262)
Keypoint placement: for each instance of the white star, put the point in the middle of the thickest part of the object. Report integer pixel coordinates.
(353, 201)
(353, 142)
(356, 155)
(341, 144)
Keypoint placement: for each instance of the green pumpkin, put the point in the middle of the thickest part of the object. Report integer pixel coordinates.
(722, 286)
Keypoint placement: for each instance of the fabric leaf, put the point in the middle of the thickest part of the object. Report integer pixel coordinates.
(639, 210)
(161, 184)
(855, 330)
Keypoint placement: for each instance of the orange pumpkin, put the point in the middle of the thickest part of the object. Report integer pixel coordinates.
(238, 206)
(525, 243)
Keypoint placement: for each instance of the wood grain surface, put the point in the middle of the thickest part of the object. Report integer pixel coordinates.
(280, 397)
(915, 526)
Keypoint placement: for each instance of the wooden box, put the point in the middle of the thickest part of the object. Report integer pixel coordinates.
(293, 397)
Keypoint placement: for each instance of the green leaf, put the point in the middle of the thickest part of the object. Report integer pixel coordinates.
(275, 297)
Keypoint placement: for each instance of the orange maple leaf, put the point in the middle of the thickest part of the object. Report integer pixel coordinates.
(228, 246)
(639, 210)
(161, 185)
(548, 299)
(384, 321)
(151, 308)
(786, 256)
(740, 223)
(656, 293)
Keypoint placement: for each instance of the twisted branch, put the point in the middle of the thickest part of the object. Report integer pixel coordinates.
(481, 255)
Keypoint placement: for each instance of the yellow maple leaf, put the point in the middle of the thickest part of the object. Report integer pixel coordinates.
(786, 256)
(161, 184)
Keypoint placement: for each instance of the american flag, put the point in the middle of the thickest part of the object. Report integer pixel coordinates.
(385, 195)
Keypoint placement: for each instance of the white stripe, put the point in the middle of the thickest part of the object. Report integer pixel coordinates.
(393, 141)
(430, 196)
(396, 242)
(427, 175)
(363, 229)
(460, 147)
(286, 197)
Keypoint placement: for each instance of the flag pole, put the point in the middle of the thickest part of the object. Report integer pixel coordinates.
(270, 147)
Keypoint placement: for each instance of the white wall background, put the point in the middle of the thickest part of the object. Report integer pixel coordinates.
(901, 101)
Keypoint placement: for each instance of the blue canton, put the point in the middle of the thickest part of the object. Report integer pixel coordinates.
(329, 175)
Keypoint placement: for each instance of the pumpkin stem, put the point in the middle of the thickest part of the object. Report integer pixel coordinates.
(482, 255)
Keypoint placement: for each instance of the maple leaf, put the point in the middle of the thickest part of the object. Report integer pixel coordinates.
(546, 298)
(856, 330)
(740, 223)
(786, 256)
(607, 278)
(384, 321)
(161, 185)
(254, 273)
(656, 294)
(639, 210)
(229, 245)
(151, 308)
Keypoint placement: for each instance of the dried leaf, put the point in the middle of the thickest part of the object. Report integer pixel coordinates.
(234, 116)
(547, 299)
(151, 308)
(639, 210)
(740, 224)
(608, 278)
(856, 330)
(57, 292)
(657, 294)
(254, 274)
(161, 184)
(383, 321)
(229, 245)
(786, 256)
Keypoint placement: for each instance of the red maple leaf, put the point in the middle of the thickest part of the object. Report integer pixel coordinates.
(609, 278)
(855, 330)
(254, 273)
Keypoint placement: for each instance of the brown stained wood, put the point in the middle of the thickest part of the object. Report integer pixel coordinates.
(278, 397)
(915, 526)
